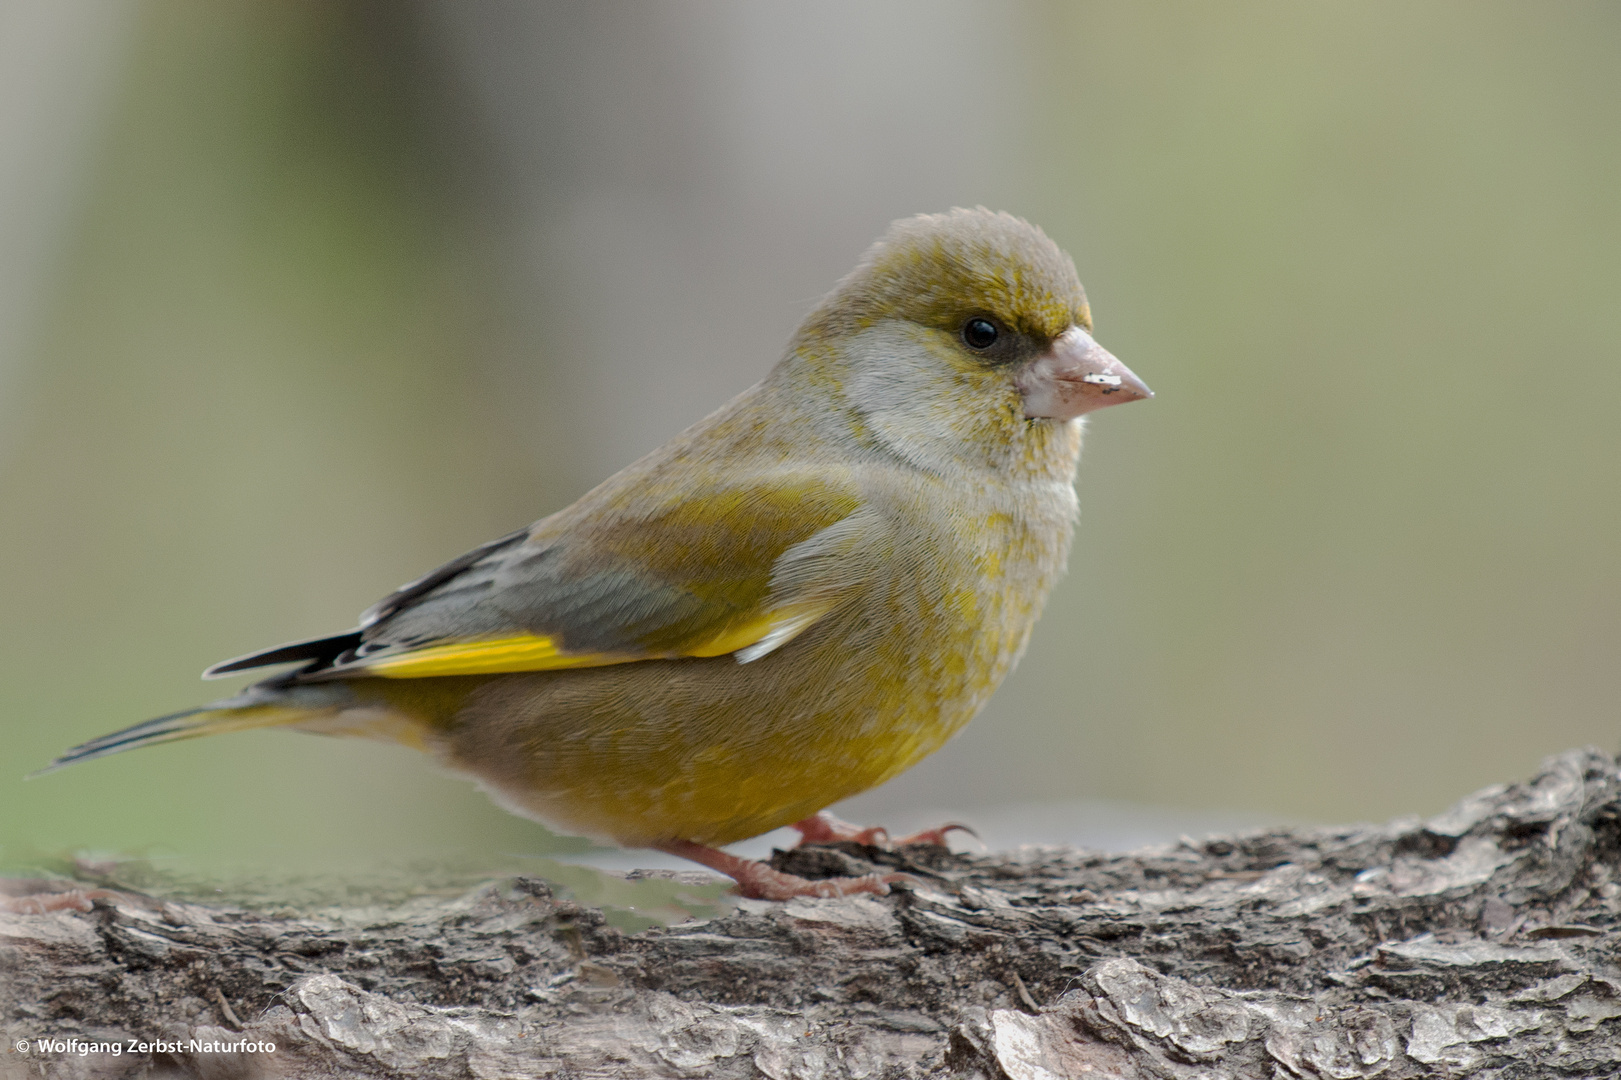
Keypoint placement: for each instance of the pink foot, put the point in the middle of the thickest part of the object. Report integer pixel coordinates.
(824, 828)
(757, 881)
(45, 902)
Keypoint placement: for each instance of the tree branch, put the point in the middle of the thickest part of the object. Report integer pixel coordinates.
(1478, 941)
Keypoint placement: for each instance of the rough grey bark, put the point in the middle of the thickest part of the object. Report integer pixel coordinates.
(1479, 943)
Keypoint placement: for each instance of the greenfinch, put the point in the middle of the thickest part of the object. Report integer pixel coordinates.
(790, 602)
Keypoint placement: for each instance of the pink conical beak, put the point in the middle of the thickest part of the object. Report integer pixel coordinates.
(1076, 375)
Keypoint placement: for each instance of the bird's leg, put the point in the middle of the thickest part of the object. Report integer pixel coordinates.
(757, 881)
(824, 828)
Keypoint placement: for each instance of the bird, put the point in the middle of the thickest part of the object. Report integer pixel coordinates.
(788, 603)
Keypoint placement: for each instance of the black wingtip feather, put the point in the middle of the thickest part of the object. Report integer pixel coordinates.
(318, 649)
(413, 590)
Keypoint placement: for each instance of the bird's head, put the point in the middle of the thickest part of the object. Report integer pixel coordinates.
(964, 334)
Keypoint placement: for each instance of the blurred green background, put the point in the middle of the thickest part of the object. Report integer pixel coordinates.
(298, 300)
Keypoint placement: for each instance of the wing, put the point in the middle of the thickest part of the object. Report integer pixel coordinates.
(741, 569)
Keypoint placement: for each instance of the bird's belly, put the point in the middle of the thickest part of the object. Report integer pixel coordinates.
(715, 751)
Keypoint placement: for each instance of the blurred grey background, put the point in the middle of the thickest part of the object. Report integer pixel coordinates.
(298, 300)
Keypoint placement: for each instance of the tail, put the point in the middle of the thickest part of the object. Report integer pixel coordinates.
(256, 707)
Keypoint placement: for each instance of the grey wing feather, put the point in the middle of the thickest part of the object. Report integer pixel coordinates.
(534, 589)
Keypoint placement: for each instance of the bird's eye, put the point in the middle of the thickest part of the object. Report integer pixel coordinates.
(979, 333)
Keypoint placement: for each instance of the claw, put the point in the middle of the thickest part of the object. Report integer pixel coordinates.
(760, 882)
(757, 881)
(935, 837)
(824, 828)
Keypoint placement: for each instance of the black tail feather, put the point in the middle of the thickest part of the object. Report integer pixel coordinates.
(158, 729)
(252, 709)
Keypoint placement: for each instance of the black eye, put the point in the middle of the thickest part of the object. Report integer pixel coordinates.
(979, 333)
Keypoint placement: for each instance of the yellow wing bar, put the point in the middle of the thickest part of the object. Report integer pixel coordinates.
(527, 652)
(750, 638)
